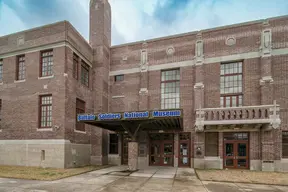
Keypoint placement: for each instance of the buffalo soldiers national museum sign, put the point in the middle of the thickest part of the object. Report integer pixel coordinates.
(128, 115)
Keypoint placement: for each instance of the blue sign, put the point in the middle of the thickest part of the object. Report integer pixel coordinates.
(86, 117)
(109, 116)
(175, 113)
(136, 115)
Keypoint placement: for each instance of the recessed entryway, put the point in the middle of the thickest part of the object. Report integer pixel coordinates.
(236, 150)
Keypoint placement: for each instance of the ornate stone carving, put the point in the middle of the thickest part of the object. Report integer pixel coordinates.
(199, 56)
(266, 43)
(199, 85)
(20, 41)
(143, 91)
(266, 79)
(230, 41)
(144, 62)
(124, 58)
(170, 50)
(199, 124)
(275, 117)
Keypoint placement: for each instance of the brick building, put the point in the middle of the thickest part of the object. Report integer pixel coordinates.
(230, 84)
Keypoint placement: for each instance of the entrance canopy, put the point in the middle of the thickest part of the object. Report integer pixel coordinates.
(145, 120)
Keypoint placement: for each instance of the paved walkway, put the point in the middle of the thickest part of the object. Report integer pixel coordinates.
(115, 179)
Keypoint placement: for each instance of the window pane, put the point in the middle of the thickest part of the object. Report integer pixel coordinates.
(47, 63)
(170, 89)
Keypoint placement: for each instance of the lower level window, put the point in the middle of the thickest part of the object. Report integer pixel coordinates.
(113, 144)
(45, 111)
(80, 108)
(211, 144)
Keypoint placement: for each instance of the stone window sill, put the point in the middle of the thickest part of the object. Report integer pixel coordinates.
(19, 81)
(46, 77)
(0, 130)
(118, 96)
(44, 129)
(1, 82)
(83, 132)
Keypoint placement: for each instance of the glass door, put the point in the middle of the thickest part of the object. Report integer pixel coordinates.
(167, 154)
(184, 150)
(236, 155)
(229, 155)
(242, 155)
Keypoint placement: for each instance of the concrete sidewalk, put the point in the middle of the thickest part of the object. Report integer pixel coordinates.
(115, 179)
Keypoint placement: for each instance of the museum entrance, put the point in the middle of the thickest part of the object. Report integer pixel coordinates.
(161, 149)
(236, 150)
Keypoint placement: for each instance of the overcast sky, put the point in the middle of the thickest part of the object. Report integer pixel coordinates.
(134, 20)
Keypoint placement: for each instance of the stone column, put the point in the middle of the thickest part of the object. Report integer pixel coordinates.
(176, 149)
(268, 150)
(199, 145)
(133, 155)
(143, 92)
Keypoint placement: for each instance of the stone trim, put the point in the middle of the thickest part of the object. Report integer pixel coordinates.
(266, 79)
(250, 55)
(118, 96)
(77, 131)
(143, 91)
(19, 81)
(47, 77)
(36, 141)
(44, 129)
(43, 47)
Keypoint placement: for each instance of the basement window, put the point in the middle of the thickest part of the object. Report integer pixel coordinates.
(119, 78)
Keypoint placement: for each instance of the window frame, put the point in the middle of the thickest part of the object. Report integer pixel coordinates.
(41, 62)
(115, 144)
(284, 144)
(80, 126)
(86, 67)
(40, 111)
(238, 95)
(119, 80)
(18, 67)
(76, 60)
(207, 144)
(164, 82)
(1, 70)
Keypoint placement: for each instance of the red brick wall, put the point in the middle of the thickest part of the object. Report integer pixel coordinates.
(20, 100)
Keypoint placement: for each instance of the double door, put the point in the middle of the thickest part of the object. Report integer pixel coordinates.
(236, 154)
(161, 153)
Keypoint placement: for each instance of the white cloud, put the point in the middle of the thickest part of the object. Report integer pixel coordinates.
(135, 20)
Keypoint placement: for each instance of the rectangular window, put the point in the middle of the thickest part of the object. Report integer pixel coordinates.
(113, 144)
(80, 108)
(46, 63)
(231, 85)
(285, 144)
(85, 74)
(45, 111)
(211, 144)
(75, 65)
(20, 68)
(119, 78)
(170, 89)
(1, 70)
